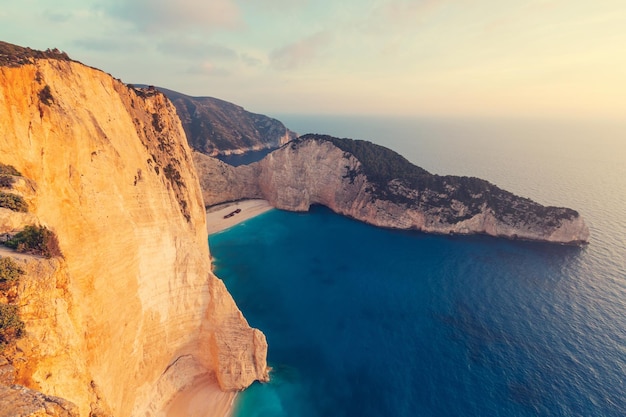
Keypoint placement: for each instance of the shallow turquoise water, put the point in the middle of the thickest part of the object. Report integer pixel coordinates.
(371, 322)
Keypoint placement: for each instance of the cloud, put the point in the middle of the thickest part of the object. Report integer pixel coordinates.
(164, 15)
(208, 68)
(278, 5)
(250, 60)
(400, 14)
(517, 20)
(399, 10)
(196, 49)
(107, 45)
(56, 17)
(299, 53)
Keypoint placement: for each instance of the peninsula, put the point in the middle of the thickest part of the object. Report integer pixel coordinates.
(374, 184)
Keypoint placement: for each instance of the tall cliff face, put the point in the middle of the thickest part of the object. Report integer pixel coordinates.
(323, 170)
(217, 127)
(133, 312)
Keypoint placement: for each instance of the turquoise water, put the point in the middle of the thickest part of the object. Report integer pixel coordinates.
(363, 321)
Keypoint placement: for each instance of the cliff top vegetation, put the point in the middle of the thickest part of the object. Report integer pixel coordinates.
(11, 325)
(10, 272)
(7, 175)
(35, 240)
(382, 165)
(9, 170)
(12, 201)
(393, 178)
(15, 56)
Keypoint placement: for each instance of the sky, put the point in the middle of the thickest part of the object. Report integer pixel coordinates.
(561, 59)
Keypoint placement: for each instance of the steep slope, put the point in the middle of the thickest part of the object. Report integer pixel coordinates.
(378, 186)
(217, 127)
(132, 313)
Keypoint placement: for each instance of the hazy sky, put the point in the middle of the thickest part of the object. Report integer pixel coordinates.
(548, 58)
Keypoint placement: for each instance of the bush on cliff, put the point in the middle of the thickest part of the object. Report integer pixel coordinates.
(11, 325)
(36, 240)
(6, 181)
(9, 170)
(13, 202)
(10, 272)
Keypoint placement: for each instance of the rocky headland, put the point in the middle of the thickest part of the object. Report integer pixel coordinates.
(125, 312)
(378, 186)
(218, 127)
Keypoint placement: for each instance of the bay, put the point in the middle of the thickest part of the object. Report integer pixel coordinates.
(363, 321)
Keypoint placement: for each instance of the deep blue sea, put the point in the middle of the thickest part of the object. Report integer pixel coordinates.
(363, 321)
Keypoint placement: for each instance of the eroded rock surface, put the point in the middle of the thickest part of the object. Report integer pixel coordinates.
(386, 191)
(20, 401)
(107, 168)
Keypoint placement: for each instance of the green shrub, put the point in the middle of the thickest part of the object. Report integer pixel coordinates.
(11, 325)
(36, 240)
(9, 170)
(10, 272)
(13, 202)
(6, 181)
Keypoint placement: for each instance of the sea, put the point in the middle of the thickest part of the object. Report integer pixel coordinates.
(370, 322)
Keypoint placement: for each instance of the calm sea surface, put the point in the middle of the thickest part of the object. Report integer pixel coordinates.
(363, 321)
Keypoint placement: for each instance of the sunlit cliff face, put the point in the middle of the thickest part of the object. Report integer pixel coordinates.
(112, 176)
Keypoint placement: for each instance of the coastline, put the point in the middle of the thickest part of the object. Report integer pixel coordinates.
(215, 215)
(204, 398)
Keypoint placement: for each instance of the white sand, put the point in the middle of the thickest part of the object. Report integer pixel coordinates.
(215, 221)
(202, 399)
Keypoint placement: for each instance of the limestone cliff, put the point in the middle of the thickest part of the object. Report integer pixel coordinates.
(382, 188)
(217, 127)
(132, 312)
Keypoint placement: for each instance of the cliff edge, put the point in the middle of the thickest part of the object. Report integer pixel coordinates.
(217, 127)
(376, 185)
(132, 312)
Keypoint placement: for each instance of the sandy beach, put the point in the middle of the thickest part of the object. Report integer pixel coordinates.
(202, 399)
(215, 221)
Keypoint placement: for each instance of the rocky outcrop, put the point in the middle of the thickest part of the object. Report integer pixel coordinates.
(221, 182)
(382, 188)
(21, 401)
(217, 127)
(108, 169)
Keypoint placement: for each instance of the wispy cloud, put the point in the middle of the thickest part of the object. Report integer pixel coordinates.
(279, 5)
(108, 45)
(392, 15)
(165, 15)
(517, 21)
(196, 49)
(56, 17)
(301, 52)
(209, 68)
(250, 60)
(401, 10)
